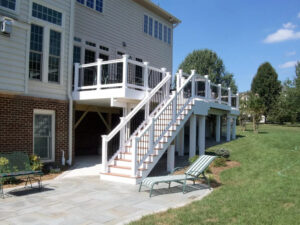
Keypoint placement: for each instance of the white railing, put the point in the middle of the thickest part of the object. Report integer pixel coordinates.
(118, 73)
(130, 124)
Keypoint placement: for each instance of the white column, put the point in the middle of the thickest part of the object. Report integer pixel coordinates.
(171, 158)
(193, 126)
(76, 77)
(180, 143)
(229, 96)
(125, 68)
(146, 78)
(233, 128)
(99, 73)
(201, 133)
(228, 128)
(219, 93)
(218, 128)
(104, 154)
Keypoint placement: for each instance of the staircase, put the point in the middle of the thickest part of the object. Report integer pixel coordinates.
(141, 150)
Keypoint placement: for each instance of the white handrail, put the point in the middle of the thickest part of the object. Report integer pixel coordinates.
(136, 109)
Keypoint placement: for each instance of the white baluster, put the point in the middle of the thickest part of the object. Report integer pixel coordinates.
(206, 86)
(151, 135)
(76, 76)
(193, 72)
(229, 96)
(219, 93)
(134, 156)
(174, 107)
(146, 76)
(125, 70)
(99, 73)
(237, 101)
(104, 154)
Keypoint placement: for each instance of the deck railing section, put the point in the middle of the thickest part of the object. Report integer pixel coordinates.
(117, 73)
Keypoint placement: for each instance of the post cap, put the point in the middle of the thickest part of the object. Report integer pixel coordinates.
(146, 63)
(125, 56)
(193, 72)
(164, 69)
(206, 76)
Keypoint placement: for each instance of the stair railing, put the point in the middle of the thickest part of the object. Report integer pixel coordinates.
(124, 130)
(144, 144)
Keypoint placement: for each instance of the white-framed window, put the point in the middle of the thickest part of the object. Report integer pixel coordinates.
(93, 4)
(150, 26)
(160, 32)
(10, 5)
(156, 29)
(165, 33)
(169, 36)
(46, 44)
(145, 24)
(44, 134)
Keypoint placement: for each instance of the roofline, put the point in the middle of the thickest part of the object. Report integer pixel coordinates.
(159, 11)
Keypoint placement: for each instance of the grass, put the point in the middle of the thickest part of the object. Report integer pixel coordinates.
(265, 189)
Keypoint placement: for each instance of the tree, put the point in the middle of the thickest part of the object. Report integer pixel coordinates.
(266, 85)
(207, 62)
(244, 112)
(256, 109)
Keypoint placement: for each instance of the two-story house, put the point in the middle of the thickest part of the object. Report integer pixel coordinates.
(92, 77)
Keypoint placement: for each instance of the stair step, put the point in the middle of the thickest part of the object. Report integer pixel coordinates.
(129, 160)
(124, 167)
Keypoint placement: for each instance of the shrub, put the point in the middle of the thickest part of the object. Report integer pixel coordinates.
(219, 162)
(193, 159)
(35, 163)
(223, 153)
(3, 164)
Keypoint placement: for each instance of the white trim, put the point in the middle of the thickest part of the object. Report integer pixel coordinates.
(52, 114)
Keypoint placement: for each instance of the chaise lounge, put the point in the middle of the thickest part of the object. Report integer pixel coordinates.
(192, 174)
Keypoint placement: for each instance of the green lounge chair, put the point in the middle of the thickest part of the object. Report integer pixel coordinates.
(193, 173)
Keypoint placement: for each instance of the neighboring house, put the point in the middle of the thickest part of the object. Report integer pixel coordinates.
(70, 69)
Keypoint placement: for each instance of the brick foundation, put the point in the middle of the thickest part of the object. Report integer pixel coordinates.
(16, 123)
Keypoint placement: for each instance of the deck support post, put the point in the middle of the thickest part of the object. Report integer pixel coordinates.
(99, 73)
(219, 93)
(171, 158)
(228, 128)
(229, 96)
(218, 128)
(193, 126)
(125, 68)
(201, 133)
(180, 142)
(233, 128)
(104, 154)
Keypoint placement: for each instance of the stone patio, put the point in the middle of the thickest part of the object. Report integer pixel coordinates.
(88, 200)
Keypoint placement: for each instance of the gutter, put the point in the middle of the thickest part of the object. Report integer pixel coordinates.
(70, 63)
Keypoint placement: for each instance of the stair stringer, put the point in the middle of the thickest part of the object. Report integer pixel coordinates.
(145, 173)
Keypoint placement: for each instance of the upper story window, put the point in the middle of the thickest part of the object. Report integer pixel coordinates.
(93, 4)
(169, 36)
(160, 31)
(165, 33)
(150, 26)
(146, 24)
(10, 4)
(54, 56)
(47, 14)
(36, 52)
(156, 29)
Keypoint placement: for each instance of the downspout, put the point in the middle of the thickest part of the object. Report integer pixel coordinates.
(70, 63)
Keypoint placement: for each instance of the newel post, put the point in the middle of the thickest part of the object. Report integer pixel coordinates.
(209, 89)
(193, 72)
(220, 93)
(229, 96)
(237, 100)
(146, 76)
(168, 83)
(134, 156)
(178, 80)
(99, 73)
(174, 107)
(151, 135)
(206, 86)
(125, 70)
(104, 154)
(76, 76)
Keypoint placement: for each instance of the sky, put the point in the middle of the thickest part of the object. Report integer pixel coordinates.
(243, 33)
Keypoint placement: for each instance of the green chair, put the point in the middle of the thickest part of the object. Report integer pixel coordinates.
(192, 174)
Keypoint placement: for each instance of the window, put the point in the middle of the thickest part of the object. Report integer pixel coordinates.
(160, 31)
(169, 35)
(90, 43)
(99, 5)
(77, 39)
(93, 4)
(146, 24)
(150, 26)
(36, 52)
(76, 58)
(10, 4)
(104, 48)
(46, 14)
(43, 134)
(156, 29)
(139, 73)
(89, 73)
(54, 56)
(165, 33)
(90, 3)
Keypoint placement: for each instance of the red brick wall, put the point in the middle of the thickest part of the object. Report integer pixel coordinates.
(16, 123)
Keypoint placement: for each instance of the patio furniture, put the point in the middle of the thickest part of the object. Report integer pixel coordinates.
(18, 165)
(192, 174)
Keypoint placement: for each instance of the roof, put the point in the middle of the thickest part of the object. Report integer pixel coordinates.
(148, 4)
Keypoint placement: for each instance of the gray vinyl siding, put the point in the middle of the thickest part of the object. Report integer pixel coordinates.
(123, 21)
(14, 53)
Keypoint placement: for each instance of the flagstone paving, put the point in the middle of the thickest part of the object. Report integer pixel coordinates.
(88, 200)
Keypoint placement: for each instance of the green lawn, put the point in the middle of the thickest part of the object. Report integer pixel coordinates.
(265, 189)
